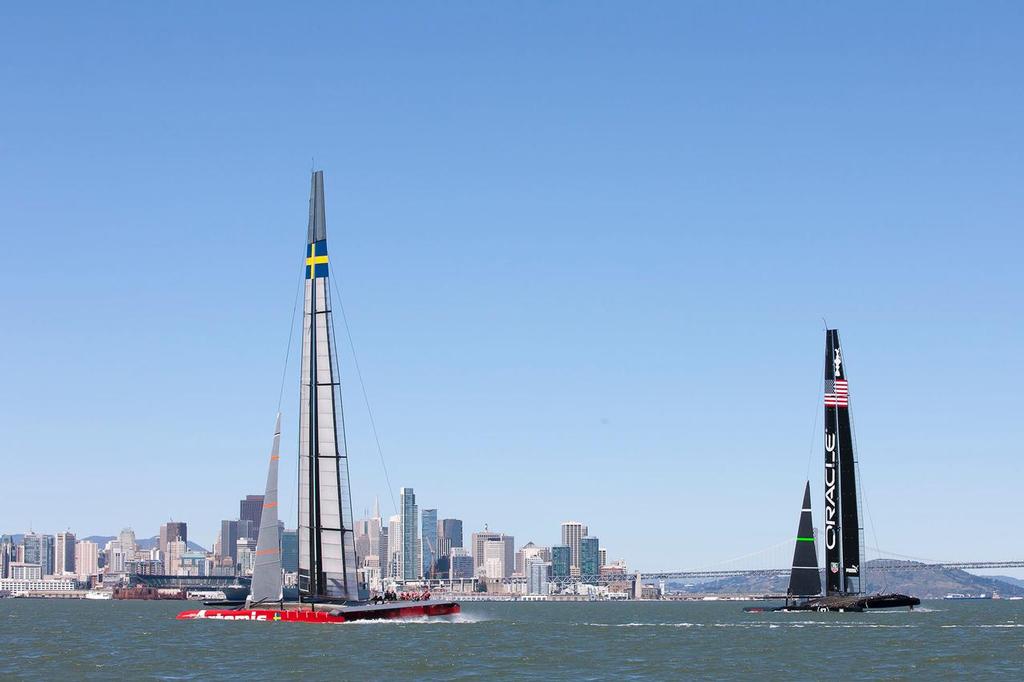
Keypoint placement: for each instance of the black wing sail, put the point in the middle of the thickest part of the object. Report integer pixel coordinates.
(842, 520)
(805, 581)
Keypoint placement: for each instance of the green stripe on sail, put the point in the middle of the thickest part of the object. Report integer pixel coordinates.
(805, 539)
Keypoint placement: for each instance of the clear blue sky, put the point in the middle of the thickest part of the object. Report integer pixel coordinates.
(585, 249)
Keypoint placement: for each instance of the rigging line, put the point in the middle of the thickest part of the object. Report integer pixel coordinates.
(291, 334)
(366, 398)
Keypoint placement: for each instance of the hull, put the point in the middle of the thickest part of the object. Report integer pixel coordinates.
(856, 604)
(294, 613)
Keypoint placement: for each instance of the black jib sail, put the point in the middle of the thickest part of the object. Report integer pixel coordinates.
(842, 520)
(805, 581)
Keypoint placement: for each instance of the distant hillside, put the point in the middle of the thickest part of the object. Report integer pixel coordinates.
(924, 583)
(143, 543)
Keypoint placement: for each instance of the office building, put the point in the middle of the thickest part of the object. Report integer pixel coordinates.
(572, 533)
(171, 531)
(250, 509)
(428, 539)
(538, 575)
(494, 559)
(21, 570)
(64, 554)
(452, 530)
(478, 541)
(87, 559)
(172, 557)
(602, 556)
(561, 561)
(395, 546)
(589, 558)
(8, 555)
(290, 551)
(229, 541)
(460, 564)
(129, 547)
(410, 556)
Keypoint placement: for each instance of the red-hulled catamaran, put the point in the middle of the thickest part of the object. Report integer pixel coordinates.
(329, 591)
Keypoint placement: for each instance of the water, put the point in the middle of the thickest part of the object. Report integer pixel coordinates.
(72, 639)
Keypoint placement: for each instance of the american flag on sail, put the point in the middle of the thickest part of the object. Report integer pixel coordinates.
(837, 393)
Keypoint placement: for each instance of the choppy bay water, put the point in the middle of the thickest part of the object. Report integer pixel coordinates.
(74, 639)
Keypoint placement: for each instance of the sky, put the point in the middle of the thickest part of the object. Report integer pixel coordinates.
(586, 252)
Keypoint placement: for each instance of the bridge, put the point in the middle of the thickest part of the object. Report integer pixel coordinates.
(878, 565)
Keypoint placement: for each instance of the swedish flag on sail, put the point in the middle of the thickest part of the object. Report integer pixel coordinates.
(316, 260)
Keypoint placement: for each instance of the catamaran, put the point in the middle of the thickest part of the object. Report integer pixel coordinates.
(843, 543)
(329, 591)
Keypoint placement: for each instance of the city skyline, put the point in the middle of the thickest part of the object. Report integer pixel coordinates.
(558, 261)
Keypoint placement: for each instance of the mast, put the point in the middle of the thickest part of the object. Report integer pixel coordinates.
(804, 580)
(267, 581)
(327, 561)
(842, 524)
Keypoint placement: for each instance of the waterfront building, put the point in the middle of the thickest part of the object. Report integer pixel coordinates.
(39, 549)
(572, 533)
(561, 561)
(21, 570)
(8, 554)
(87, 559)
(460, 564)
(538, 575)
(171, 531)
(64, 554)
(251, 510)
(410, 556)
(428, 530)
(589, 562)
(290, 551)
(36, 585)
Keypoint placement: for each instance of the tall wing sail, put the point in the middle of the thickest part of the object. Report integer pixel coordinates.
(267, 581)
(804, 580)
(327, 561)
(842, 519)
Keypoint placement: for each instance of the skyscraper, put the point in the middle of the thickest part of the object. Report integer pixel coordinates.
(589, 557)
(538, 572)
(8, 555)
(410, 559)
(429, 539)
(561, 561)
(87, 559)
(129, 547)
(290, 551)
(171, 531)
(250, 509)
(572, 533)
(451, 529)
(229, 541)
(64, 554)
(395, 546)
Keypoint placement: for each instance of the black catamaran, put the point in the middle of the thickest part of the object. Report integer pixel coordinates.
(844, 544)
(329, 591)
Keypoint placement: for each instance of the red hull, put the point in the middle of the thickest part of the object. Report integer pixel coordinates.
(340, 615)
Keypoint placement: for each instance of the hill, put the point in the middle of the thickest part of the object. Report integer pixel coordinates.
(924, 583)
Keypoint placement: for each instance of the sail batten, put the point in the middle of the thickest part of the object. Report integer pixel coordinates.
(326, 544)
